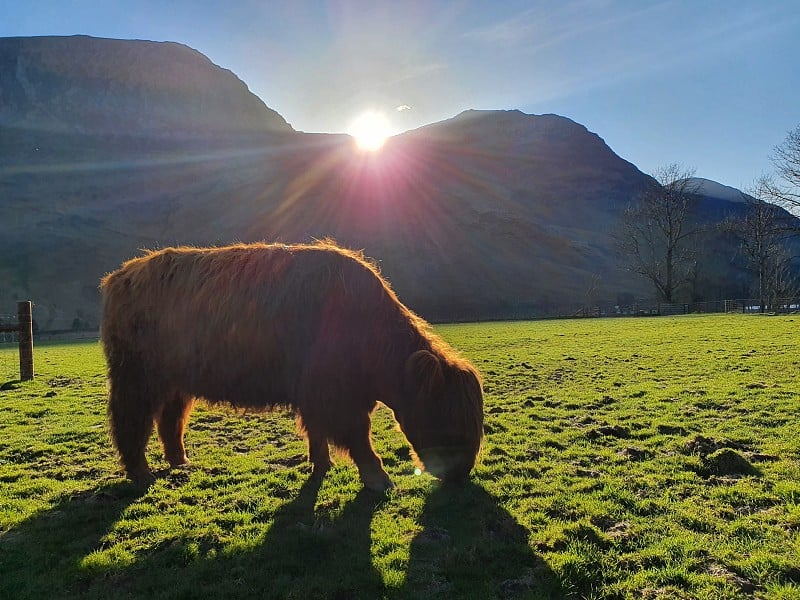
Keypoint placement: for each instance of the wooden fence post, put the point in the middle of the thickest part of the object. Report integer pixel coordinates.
(25, 321)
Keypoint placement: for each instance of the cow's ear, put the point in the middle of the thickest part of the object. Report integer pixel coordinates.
(423, 373)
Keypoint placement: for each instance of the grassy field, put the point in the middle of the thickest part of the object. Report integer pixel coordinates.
(626, 458)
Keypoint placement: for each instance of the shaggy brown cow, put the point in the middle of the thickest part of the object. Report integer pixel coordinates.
(311, 327)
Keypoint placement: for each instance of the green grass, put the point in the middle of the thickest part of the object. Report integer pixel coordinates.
(625, 458)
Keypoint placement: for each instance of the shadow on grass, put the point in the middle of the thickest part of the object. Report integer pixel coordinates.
(470, 547)
(302, 555)
(12, 384)
(39, 558)
(305, 554)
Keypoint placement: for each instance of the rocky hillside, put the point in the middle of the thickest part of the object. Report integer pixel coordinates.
(123, 87)
(110, 146)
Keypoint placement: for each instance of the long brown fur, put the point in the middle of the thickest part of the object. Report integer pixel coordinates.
(310, 327)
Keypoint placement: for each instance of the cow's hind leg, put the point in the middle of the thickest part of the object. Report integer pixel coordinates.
(171, 426)
(356, 440)
(319, 454)
(131, 411)
(318, 450)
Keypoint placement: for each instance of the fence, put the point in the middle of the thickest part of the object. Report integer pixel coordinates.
(742, 305)
(23, 329)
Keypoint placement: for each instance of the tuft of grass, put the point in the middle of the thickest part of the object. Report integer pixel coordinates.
(648, 458)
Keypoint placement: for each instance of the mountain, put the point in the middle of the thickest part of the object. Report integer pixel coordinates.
(713, 189)
(82, 84)
(111, 146)
(500, 213)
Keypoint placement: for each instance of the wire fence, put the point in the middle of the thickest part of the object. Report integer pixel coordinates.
(66, 330)
(741, 305)
(8, 337)
(56, 329)
(9, 356)
(19, 329)
(76, 329)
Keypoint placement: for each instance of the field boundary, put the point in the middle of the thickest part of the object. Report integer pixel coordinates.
(24, 333)
(738, 305)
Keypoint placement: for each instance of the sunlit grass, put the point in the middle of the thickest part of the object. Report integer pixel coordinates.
(608, 471)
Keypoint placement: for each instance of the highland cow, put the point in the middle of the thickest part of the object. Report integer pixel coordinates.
(311, 327)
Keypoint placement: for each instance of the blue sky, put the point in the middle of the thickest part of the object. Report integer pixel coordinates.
(714, 85)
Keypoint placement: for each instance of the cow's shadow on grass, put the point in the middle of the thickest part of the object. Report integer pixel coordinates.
(468, 547)
(40, 557)
(471, 547)
(309, 552)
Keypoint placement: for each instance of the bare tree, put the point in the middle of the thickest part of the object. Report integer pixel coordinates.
(763, 233)
(783, 278)
(654, 240)
(784, 188)
(777, 277)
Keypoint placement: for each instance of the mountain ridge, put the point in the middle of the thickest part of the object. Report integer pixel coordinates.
(715, 189)
(101, 85)
(489, 214)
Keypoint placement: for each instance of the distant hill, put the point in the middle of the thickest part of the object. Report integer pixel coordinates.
(91, 85)
(712, 189)
(110, 146)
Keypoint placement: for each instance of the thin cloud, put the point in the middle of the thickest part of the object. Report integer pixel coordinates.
(415, 72)
(536, 28)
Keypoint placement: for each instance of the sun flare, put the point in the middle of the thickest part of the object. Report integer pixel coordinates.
(370, 130)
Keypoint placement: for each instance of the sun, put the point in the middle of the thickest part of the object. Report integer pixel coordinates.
(370, 130)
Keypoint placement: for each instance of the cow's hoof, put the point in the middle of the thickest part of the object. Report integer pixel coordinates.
(176, 459)
(181, 463)
(142, 479)
(319, 470)
(377, 482)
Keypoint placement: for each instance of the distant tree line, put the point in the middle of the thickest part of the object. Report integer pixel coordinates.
(661, 240)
